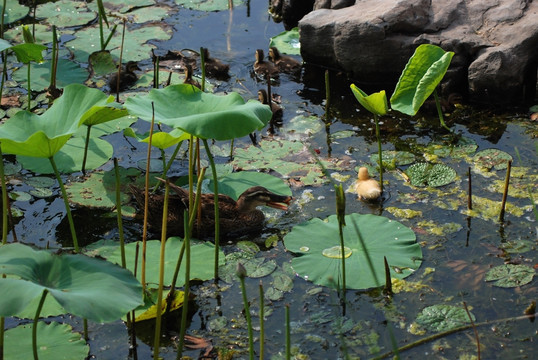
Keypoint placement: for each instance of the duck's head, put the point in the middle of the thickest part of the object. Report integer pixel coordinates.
(205, 52)
(131, 66)
(188, 72)
(258, 195)
(274, 54)
(363, 174)
(259, 55)
(263, 97)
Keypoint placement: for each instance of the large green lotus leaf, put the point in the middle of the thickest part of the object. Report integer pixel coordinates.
(14, 11)
(98, 190)
(439, 318)
(204, 115)
(316, 245)
(235, 184)
(102, 114)
(161, 139)
(375, 103)
(55, 341)
(423, 72)
(136, 45)
(422, 174)
(43, 34)
(69, 158)
(84, 286)
(202, 259)
(68, 72)
(153, 13)
(287, 42)
(65, 13)
(44, 135)
(207, 5)
(108, 127)
(510, 275)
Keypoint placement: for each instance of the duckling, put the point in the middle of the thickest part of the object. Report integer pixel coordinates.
(275, 108)
(126, 78)
(188, 77)
(367, 188)
(264, 68)
(215, 67)
(285, 64)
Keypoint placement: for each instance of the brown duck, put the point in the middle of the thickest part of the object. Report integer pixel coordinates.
(237, 218)
(215, 67)
(127, 77)
(284, 63)
(264, 68)
(188, 77)
(263, 97)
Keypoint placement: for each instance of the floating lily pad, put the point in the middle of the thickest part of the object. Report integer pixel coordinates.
(343, 134)
(12, 168)
(14, 11)
(20, 196)
(382, 237)
(122, 6)
(65, 13)
(439, 318)
(287, 42)
(43, 34)
(235, 184)
(422, 174)
(464, 146)
(69, 158)
(492, 159)
(518, 246)
(55, 341)
(392, 158)
(40, 181)
(510, 275)
(207, 5)
(69, 72)
(302, 124)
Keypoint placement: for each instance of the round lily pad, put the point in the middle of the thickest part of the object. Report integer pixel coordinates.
(443, 317)
(207, 5)
(14, 11)
(464, 146)
(422, 174)
(510, 275)
(382, 237)
(65, 13)
(68, 73)
(492, 159)
(55, 341)
(287, 42)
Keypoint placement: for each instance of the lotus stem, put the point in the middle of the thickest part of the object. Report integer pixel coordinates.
(341, 215)
(217, 217)
(36, 320)
(168, 164)
(388, 281)
(202, 65)
(66, 203)
(505, 192)
(101, 32)
(146, 201)
(155, 72)
(470, 190)
(327, 95)
(288, 334)
(379, 150)
(4, 199)
(185, 310)
(440, 110)
(120, 66)
(474, 329)
(86, 146)
(241, 273)
(261, 314)
(2, 324)
(118, 212)
(157, 339)
(54, 62)
(29, 88)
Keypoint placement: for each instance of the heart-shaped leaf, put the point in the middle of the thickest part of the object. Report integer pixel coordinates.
(375, 103)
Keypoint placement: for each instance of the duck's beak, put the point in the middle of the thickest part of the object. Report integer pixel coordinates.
(279, 202)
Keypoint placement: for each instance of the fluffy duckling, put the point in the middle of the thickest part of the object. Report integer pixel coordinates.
(127, 77)
(367, 188)
(215, 67)
(285, 64)
(262, 67)
(275, 108)
(188, 77)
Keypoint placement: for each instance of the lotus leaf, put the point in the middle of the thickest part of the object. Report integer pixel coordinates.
(65, 13)
(381, 236)
(14, 11)
(207, 116)
(121, 5)
(161, 139)
(302, 124)
(85, 287)
(492, 159)
(443, 317)
(235, 184)
(68, 72)
(28, 52)
(287, 42)
(510, 275)
(464, 146)
(54, 342)
(375, 103)
(42, 34)
(207, 5)
(423, 72)
(422, 174)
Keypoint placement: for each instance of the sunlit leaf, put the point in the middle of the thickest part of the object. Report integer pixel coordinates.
(287, 42)
(439, 318)
(375, 103)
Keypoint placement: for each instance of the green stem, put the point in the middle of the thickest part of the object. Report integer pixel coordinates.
(86, 146)
(440, 110)
(327, 95)
(185, 310)
(378, 136)
(118, 211)
(247, 316)
(262, 323)
(29, 88)
(288, 341)
(66, 203)
(202, 62)
(217, 217)
(157, 338)
(36, 318)
(2, 324)
(101, 32)
(4, 199)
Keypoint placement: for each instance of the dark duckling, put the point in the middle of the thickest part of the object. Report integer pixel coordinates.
(188, 77)
(284, 63)
(275, 108)
(237, 218)
(264, 68)
(214, 67)
(127, 77)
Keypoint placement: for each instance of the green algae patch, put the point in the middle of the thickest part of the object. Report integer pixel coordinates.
(403, 213)
(400, 285)
(489, 210)
(439, 229)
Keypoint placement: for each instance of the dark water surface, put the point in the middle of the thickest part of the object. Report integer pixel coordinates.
(454, 263)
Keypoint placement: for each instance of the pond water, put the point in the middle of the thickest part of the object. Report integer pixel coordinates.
(458, 249)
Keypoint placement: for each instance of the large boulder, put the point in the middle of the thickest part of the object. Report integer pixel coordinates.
(495, 43)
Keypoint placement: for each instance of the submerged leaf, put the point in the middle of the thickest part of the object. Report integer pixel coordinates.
(443, 317)
(510, 275)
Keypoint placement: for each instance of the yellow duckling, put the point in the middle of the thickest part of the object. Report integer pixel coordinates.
(367, 188)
